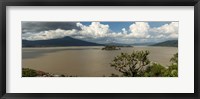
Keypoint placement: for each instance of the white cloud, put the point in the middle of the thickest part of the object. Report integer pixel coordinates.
(138, 31)
(124, 31)
(165, 31)
(94, 30)
(51, 34)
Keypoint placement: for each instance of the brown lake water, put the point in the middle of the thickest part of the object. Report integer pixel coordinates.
(85, 61)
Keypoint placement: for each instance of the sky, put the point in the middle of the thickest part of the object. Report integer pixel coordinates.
(102, 32)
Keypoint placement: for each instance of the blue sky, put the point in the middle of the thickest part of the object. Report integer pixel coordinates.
(117, 26)
(102, 32)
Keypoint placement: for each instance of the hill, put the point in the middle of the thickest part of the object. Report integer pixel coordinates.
(143, 44)
(170, 43)
(66, 41)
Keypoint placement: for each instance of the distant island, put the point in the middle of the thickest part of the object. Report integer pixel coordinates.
(111, 47)
(118, 44)
(169, 43)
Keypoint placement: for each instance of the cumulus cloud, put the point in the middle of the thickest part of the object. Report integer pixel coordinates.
(167, 30)
(139, 30)
(51, 34)
(94, 30)
(101, 33)
(142, 30)
(124, 31)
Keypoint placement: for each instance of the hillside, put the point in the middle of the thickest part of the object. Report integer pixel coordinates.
(143, 44)
(66, 41)
(170, 43)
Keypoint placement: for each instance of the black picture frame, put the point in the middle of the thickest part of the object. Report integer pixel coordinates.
(4, 3)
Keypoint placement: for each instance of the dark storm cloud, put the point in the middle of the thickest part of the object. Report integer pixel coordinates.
(34, 27)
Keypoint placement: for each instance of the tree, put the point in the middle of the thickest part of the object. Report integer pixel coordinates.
(172, 70)
(174, 59)
(131, 65)
(137, 64)
(155, 70)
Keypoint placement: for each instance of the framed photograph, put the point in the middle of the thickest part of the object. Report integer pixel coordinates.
(129, 49)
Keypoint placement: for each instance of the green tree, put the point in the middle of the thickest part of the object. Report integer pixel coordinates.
(137, 64)
(155, 70)
(172, 70)
(174, 59)
(131, 65)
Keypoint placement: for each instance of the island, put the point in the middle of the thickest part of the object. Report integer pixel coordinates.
(111, 47)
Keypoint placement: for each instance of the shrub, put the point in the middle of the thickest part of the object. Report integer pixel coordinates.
(156, 70)
(26, 72)
(172, 70)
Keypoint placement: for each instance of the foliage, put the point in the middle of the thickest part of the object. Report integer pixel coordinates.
(174, 59)
(156, 70)
(137, 64)
(172, 70)
(26, 72)
(131, 65)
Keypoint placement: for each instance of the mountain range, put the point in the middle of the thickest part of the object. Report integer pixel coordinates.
(170, 43)
(66, 41)
(69, 41)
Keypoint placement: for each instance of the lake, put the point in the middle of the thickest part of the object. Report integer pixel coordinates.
(85, 61)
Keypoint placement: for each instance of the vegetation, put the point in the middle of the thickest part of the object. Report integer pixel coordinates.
(137, 64)
(156, 70)
(26, 72)
(111, 47)
(131, 65)
(172, 70)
